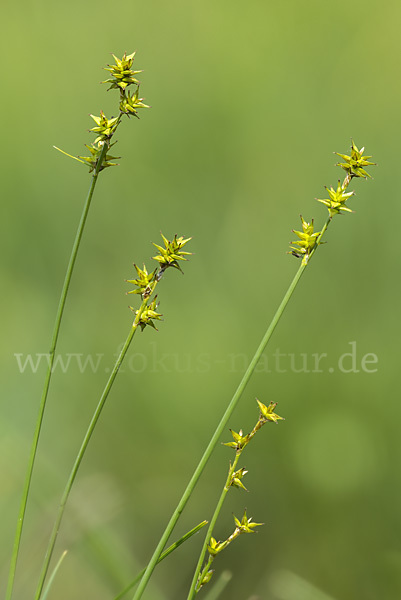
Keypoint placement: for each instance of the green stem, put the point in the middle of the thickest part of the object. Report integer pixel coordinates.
(206, 569)
(78, 460)
(223, 423)
(193, 589)
(88, 435)
(53, 575)
(164, 555)
(42, 406)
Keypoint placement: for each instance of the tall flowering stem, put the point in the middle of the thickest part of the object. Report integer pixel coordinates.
(144, 316)
(354, 165)
(98, 160)
(234, 479)
(42, 406)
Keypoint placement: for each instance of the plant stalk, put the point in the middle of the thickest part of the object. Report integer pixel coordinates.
(223, 422)
(42, 406)
(85, 442)
(164, 555)
(193, 589)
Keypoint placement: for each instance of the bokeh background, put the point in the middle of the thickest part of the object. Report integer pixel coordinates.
(249, 101)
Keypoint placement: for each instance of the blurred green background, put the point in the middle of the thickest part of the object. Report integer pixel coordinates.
(249, 100)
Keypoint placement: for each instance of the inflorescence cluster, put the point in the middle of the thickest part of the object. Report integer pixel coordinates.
(234, 479)
(354, 165)
(169, 256)
(122, 77)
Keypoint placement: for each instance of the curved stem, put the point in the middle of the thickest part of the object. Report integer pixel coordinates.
(164, 555)
(88, 435)
(53, 575)
(223, 422)
(78, 460)
(193, 589)
(42, 406)
(85, 442)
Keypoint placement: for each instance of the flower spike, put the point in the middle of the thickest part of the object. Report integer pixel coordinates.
(104, 127)
(171, 253)
(95, 150)
(130, 104)
(240, 441)
(214, 547)
(143, 282)
(267, 412)
(121, 74)
(307, 241)
(148, 315)
(204, 579)
(337, 200)
(354, 164)
(236, 478)
(246, 525)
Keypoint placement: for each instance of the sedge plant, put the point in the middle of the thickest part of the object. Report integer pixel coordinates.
(168, 255)
(145, 316)
(123, 79)
(204, 573)
(303, 248)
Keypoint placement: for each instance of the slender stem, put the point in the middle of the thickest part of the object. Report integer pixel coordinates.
(164, 555)
(193, 589)
(85, 442)
(205, 570)
(53, 575)
(42, 406)
(78, 461)
(221, 426)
